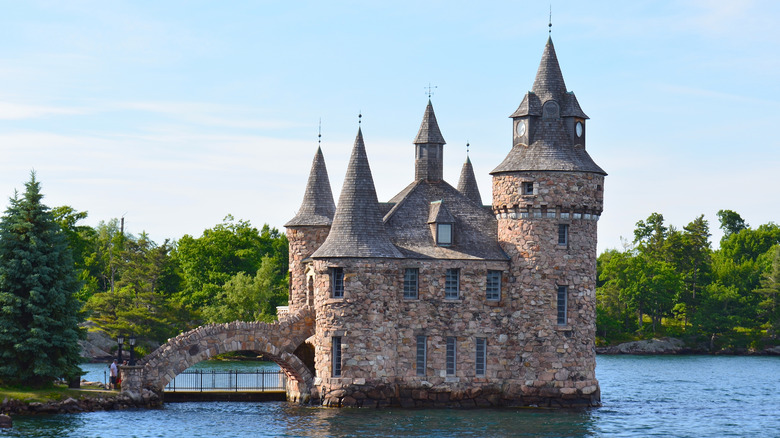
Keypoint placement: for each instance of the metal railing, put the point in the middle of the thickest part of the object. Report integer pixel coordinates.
(230, 380)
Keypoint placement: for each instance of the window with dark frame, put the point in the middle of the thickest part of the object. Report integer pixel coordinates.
(528, 188)
(410, 283)
(493, 286)
(451, 355)
(563, 234)
(481, 356)
(422, 349)
(337, 282)
(563, 302)
(336, 368)
(452, 284)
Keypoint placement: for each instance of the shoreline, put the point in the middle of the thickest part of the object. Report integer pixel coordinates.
(676, 346)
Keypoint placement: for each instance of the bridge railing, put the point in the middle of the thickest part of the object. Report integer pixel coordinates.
(229, 380)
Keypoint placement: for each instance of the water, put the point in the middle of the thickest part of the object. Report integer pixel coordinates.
(669, 396)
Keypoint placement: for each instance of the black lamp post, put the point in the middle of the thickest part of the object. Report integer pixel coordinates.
(120, 340)
(131, 341)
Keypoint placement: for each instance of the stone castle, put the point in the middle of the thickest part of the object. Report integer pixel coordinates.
(434, 299)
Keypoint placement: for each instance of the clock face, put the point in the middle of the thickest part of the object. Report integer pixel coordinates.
(578, 129)
(520, 128)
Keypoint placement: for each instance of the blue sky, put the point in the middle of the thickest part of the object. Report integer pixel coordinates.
(177, 113)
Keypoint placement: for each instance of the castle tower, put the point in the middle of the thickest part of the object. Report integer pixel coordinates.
(467, 184)
(429, 148)
(354, 269)
(308, 230)
(547, 198)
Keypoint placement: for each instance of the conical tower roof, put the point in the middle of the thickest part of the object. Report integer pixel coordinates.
(429, 132)
(467, 184)
(357, 230)
(549, 85)
(317, 207)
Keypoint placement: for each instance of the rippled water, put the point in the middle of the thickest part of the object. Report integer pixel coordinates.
(680, 396)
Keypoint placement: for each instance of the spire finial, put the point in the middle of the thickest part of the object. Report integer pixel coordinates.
(360, 117)
(549, 24)
(467, 148)
(430, 90)
(319, 134)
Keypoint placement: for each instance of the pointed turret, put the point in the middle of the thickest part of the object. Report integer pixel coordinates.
(467, 184)
(357, 229)
(317, 207)
(429, 150)
(549, 125)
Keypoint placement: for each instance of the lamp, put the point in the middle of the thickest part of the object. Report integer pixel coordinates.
(119, 340)
(131, 341)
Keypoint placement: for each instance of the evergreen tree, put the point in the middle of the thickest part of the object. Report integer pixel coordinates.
(39, 313)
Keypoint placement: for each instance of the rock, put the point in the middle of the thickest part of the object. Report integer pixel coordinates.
(650, 346)
(5, 421)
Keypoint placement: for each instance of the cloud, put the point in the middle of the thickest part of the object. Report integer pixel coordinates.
(17, 111)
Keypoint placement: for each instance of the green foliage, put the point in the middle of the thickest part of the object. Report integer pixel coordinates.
(729, 297)
(39, 313)
(215, 259)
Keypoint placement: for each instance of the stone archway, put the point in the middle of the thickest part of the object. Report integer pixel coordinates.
(276, 341)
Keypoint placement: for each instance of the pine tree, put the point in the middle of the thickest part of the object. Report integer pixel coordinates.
(39, 313)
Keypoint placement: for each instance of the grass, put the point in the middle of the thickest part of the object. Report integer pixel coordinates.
(57, 392)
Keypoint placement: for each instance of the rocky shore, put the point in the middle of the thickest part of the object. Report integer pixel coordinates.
(676, 346)
(147, 399)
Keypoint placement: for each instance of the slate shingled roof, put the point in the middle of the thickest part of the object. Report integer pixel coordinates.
(317, 207)
(549, 85)
(357, 229)
(474, 228)
(429, 132)
(551, 149)
(467, 184)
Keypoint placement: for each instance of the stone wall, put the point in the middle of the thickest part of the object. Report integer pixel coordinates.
(378, 328)
(558, 359)
(304, 240)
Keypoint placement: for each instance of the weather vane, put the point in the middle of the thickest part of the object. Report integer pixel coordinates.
(549, 25)
(430, 90)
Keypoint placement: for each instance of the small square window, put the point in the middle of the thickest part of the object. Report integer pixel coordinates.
(452, 284)
(410, 283)
(528, 188)
(563, 234)
(337, 282)
(444, 234)
(493, 286)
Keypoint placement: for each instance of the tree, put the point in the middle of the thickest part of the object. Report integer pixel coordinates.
(731, 223)
(39, 313)
(770, 294)
(82, 240)
(210, 261)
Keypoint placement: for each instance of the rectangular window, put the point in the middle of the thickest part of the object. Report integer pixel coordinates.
(336, 356)
(537, 213)
(564, 215)
(410, 283)
(528, 188)
(337, 282)
(563, 234)
(563, 299)
(481, 356)
(451, 355)
(493, 286)
(422, 349)
(444, 234)
(550, 213)
(452, 284)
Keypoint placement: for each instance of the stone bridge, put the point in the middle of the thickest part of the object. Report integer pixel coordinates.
(275, 341)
